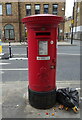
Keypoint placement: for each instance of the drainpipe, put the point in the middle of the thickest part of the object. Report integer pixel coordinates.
(19, 21)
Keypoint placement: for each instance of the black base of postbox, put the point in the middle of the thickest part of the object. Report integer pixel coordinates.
(42, 100)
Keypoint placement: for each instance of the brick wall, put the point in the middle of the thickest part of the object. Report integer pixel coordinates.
(19, 12)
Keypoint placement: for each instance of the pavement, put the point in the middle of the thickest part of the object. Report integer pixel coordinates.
(15, 103)
(15, 43)
(24, 43)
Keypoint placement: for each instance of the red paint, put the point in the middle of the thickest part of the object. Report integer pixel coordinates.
(47, 113)
(41, 76)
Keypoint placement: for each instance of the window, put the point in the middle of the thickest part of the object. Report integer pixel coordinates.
(9, 32)
(28, 10)
(37, 9)
(46, 6)
(0, 9)
(8, 9)
(77, 19)
(78, 9)
(55, 9)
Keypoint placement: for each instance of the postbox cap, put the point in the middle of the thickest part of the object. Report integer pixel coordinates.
(42, 19)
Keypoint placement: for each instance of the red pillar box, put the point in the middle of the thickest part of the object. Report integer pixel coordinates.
(42, 41)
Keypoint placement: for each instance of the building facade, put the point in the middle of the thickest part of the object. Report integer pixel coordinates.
(67, 31)
(77, 30)
(11, 14)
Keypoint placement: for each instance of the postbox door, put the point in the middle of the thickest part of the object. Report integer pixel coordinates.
(46, 58)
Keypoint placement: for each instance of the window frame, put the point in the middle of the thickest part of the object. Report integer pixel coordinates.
(47, 8)
(9, 30)
(53, 9)
(26, 9)
(7, 10)
(37, 10)
(2, 10)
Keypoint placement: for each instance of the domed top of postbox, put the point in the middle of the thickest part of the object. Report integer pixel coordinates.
(42, 19)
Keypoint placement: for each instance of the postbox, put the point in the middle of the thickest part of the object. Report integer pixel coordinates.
(42, 50)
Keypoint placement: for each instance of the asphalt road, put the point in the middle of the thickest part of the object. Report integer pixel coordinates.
(68, 65)
(22, 49)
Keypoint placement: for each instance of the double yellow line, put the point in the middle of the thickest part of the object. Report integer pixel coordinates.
(0, 46)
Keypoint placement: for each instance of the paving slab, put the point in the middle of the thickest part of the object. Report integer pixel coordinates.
(15, 102)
